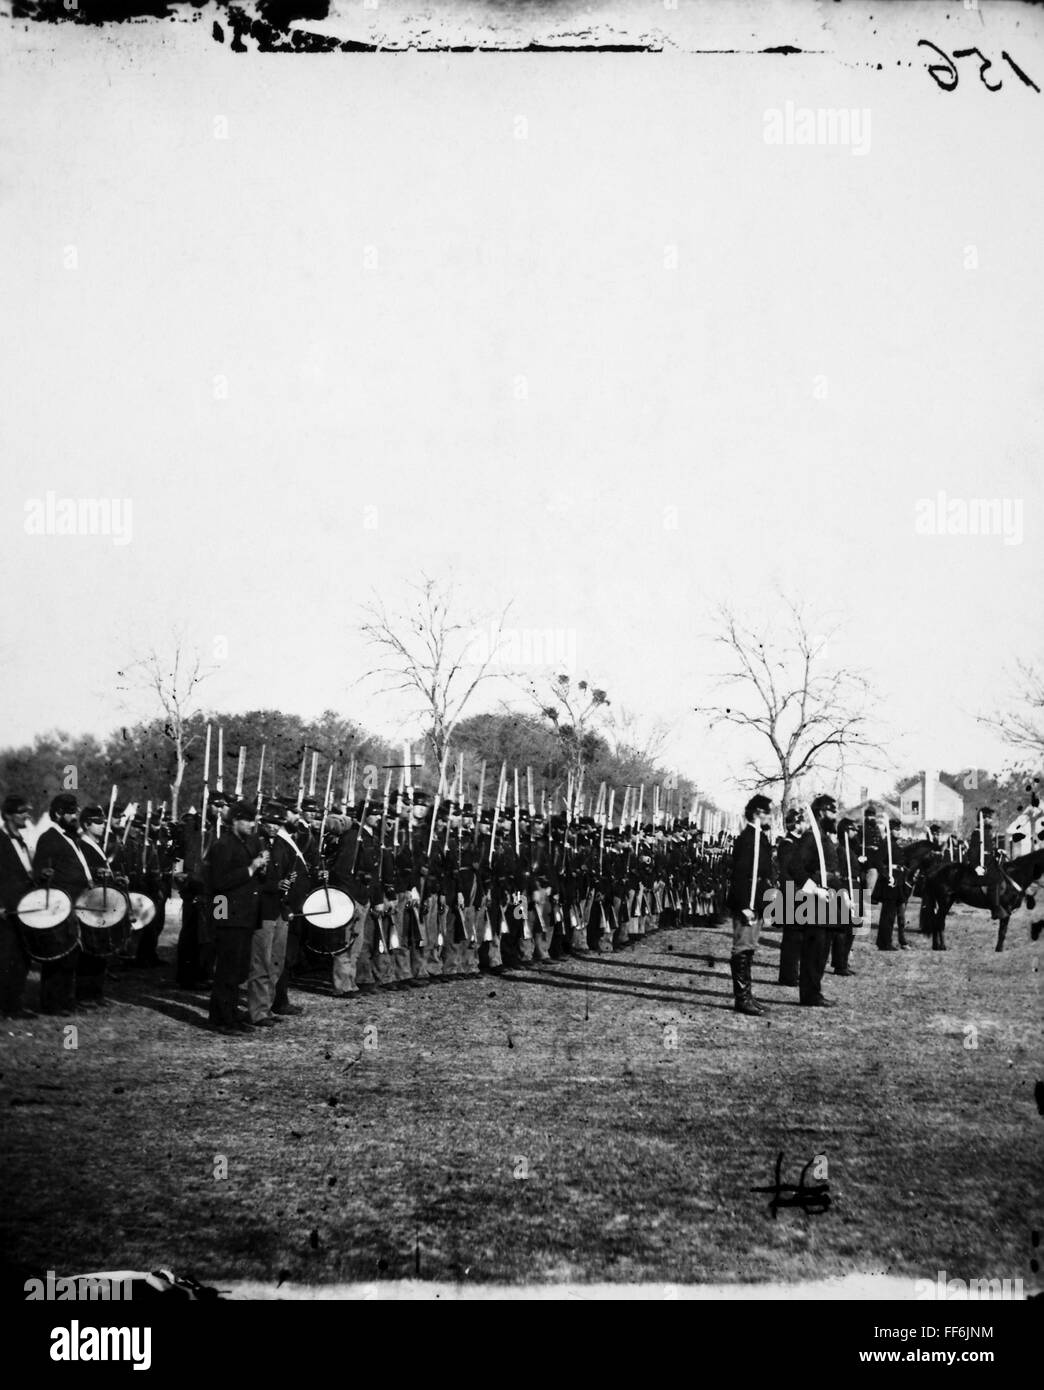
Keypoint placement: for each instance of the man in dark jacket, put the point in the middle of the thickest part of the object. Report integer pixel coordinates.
(60, 863)
(790, 946)
(16, 879)
(987, 857)
(92, 969)
(357, 871)
(234, 865)
(295, 863)
(842, 938)
(816, 872)
(749, 890)
(891, 889)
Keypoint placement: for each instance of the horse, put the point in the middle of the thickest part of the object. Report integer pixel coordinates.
(919, 859)
(951, 883)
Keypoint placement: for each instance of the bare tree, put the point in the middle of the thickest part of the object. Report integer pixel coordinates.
(173, 678)
(811, 715)
(577, 713)
(1021, 723)
(635, 736)
(434, 652)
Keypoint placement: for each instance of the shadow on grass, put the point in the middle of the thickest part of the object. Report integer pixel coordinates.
(664, 994)
(143, 993)
(682, 969)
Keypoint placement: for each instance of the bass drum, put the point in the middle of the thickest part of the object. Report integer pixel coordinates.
(50, 928)
(103, 920)
(327, 913)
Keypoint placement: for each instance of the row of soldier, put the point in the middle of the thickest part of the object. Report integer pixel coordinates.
(429, 893)
(821, 881)
(402, 897)
(432, 893)
(71, 856)
(818, 883)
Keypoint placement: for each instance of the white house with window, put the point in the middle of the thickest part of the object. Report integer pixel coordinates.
(924, 800)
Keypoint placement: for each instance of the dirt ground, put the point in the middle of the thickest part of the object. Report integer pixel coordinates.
(601, 1120)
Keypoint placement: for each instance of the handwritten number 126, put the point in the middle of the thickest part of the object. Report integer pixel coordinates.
(946, 76)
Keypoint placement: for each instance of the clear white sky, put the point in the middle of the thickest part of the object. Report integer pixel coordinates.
(353, 385)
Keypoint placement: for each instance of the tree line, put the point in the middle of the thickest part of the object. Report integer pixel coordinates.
(143, 760)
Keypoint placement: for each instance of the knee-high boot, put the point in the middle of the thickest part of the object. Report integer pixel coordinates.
(742, 989)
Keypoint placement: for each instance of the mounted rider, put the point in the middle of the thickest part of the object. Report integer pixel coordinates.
(987, 857)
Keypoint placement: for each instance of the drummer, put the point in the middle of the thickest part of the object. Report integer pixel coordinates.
(16, 879)
(59, 863)
(90, 973)
(290, 865)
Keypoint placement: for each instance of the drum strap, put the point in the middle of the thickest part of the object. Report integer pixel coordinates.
(79, 855)
(282, 835)
(97, 850)
(21, 849)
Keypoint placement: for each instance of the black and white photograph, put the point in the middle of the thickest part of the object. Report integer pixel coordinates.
(523, 721)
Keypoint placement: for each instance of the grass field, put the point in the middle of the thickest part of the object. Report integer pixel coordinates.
(598, 1120)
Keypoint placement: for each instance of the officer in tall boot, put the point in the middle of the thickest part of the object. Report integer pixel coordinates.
(790, 946)
(750, 888)
(815, 868)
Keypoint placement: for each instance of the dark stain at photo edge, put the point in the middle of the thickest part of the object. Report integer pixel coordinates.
(273, 29)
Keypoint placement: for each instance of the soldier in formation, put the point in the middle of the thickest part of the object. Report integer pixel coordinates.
(439, 889)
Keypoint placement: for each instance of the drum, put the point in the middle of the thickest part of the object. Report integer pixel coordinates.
(141, 911)
(50, 928)
(103, 920)
(327, 913)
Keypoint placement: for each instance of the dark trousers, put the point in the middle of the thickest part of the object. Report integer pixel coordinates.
(790, 955)
(90, 976)
(890, 908)
(841, 948)
(231, 967)
(58, 982)
(189, 971)
(14, 966)
(195, 954)
(815, 949)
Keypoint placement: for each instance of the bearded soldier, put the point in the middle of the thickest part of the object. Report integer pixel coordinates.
(60, 863)
(816, 872)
